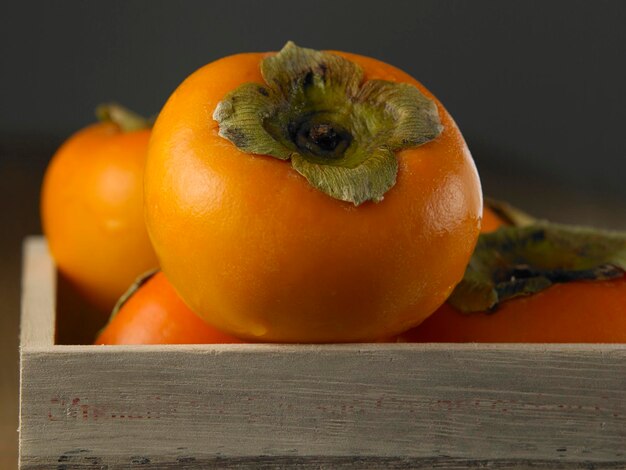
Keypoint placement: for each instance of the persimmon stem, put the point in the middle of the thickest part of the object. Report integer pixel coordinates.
(339, 130)
(126, 119)
(321, 139)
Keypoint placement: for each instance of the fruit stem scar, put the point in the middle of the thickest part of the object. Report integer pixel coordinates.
(339, 130)
(127, 120)
(322, 139)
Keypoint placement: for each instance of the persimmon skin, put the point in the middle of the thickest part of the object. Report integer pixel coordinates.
(155, 314)
(257, 251)
(92, 211)
(490, 221)
(574, 312)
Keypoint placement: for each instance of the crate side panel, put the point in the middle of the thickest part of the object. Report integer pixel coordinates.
(422, 405)
(38, 294)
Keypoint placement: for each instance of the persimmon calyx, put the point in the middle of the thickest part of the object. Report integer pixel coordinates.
(339, 131)
(518, 261)
(127, 120)
(138, 282)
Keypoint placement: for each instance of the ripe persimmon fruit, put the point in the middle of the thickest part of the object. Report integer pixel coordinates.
(491, 221)
(92, 206)
(152, 313)
(307, 196)
(574, 312)
(590, 310)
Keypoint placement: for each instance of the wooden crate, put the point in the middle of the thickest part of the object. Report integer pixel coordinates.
(307, 406)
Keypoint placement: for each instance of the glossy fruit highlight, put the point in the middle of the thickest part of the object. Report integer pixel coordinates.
(262, 245)
(92, 207)
(543, 300)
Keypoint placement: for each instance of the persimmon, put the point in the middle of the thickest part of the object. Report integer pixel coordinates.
(307, 196)
(152, 313)
(546, 284)
(490, 221)
(92, 206)
(498, 214)
(576, 312)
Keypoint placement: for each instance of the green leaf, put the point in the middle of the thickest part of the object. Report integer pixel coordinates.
(518, 261)
(308, 76)
(409, 118)
(134, 287)
(241, 115)
(370, 180)
(127, 120)
(339, 132)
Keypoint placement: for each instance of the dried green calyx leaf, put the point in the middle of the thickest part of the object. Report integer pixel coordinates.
(339, 132)
(518, 261)
(137, 283)
(125, 297)
(126, 119)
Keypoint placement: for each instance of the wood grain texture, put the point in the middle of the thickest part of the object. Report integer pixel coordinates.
(83, 461)
(321, 406)
(38, 294)
(379, 401)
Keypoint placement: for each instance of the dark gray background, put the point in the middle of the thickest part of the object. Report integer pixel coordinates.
(537, 87)
(535, 84)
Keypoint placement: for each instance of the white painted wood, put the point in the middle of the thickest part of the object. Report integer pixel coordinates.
(325, 406)
(38, 294)
(420, 402)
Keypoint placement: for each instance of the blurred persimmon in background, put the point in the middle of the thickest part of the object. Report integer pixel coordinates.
(92, 206)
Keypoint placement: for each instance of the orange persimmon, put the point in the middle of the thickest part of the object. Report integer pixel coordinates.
(277, 251)
(574, 312)
(491, 221)
(588, 311)
(92, 207)
(155, 314)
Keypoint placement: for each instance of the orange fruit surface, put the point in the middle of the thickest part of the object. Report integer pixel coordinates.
(490, 221)
(574, 312)
(258, 252)
(92, 211)
(155, 314)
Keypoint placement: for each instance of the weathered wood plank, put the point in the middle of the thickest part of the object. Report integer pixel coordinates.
(84, 461)
(331, 406)
(424, 403)
(38, 294)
